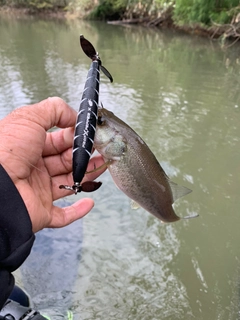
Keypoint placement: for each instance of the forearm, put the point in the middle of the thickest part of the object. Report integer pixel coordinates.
(16, 236)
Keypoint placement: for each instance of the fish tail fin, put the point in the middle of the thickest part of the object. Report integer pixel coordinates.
(190, 217)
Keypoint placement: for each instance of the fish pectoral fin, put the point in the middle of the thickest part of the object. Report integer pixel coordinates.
(134, 205)
(178, 191)
(106, 164)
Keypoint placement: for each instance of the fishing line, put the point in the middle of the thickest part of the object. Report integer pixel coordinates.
(10, 151)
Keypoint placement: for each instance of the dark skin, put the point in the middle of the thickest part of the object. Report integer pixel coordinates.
(39, 161)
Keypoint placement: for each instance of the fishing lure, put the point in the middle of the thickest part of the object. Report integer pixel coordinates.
(86, 122)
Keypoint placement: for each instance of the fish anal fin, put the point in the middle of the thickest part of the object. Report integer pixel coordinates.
(178, 191)
(134, 205)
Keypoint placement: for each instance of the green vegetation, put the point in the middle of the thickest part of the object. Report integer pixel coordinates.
(203, 12)
(110, 9)
(184, 11)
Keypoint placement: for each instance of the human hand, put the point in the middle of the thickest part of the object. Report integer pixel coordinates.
(38, 161)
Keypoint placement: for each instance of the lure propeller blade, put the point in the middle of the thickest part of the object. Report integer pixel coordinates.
(88, 48)
(90, 51)
(107, 73)
(90, 186)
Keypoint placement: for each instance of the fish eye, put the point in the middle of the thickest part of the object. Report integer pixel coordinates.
(100, 121)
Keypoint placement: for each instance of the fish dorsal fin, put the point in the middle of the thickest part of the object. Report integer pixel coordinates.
(178, 191)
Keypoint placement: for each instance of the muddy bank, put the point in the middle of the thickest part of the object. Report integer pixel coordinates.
(223, 32)
(165, 20)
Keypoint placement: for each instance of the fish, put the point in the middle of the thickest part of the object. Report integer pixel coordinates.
(135, 169)
(86, 122)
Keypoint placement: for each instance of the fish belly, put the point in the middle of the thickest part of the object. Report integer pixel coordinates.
(150, 190)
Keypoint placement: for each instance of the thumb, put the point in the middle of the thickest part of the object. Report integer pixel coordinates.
(62, 217)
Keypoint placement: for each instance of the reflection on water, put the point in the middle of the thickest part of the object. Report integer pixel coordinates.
(181, 94)
(135, 279)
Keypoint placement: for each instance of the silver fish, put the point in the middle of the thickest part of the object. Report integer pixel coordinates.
(134, 168)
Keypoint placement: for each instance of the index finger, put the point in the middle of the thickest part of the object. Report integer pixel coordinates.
(49, 113)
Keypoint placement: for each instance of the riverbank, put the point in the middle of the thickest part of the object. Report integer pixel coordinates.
(213, 32)
(165, 20)
(228, 34)
(26, 12)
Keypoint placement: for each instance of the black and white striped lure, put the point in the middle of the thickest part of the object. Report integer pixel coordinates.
(86, 122)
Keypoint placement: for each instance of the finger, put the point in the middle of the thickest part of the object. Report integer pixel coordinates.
(58, 141)
(49, 113)
(59, 164)
(62, 164)
(61, 217)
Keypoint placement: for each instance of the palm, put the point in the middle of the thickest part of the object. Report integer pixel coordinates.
(38, 162)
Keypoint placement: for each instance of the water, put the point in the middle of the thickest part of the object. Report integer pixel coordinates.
(181, 94)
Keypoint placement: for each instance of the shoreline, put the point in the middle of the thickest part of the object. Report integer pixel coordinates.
(25, 12)
(193, 29)
(214, 32)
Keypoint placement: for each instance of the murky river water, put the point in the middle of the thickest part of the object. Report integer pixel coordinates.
(181, 94)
